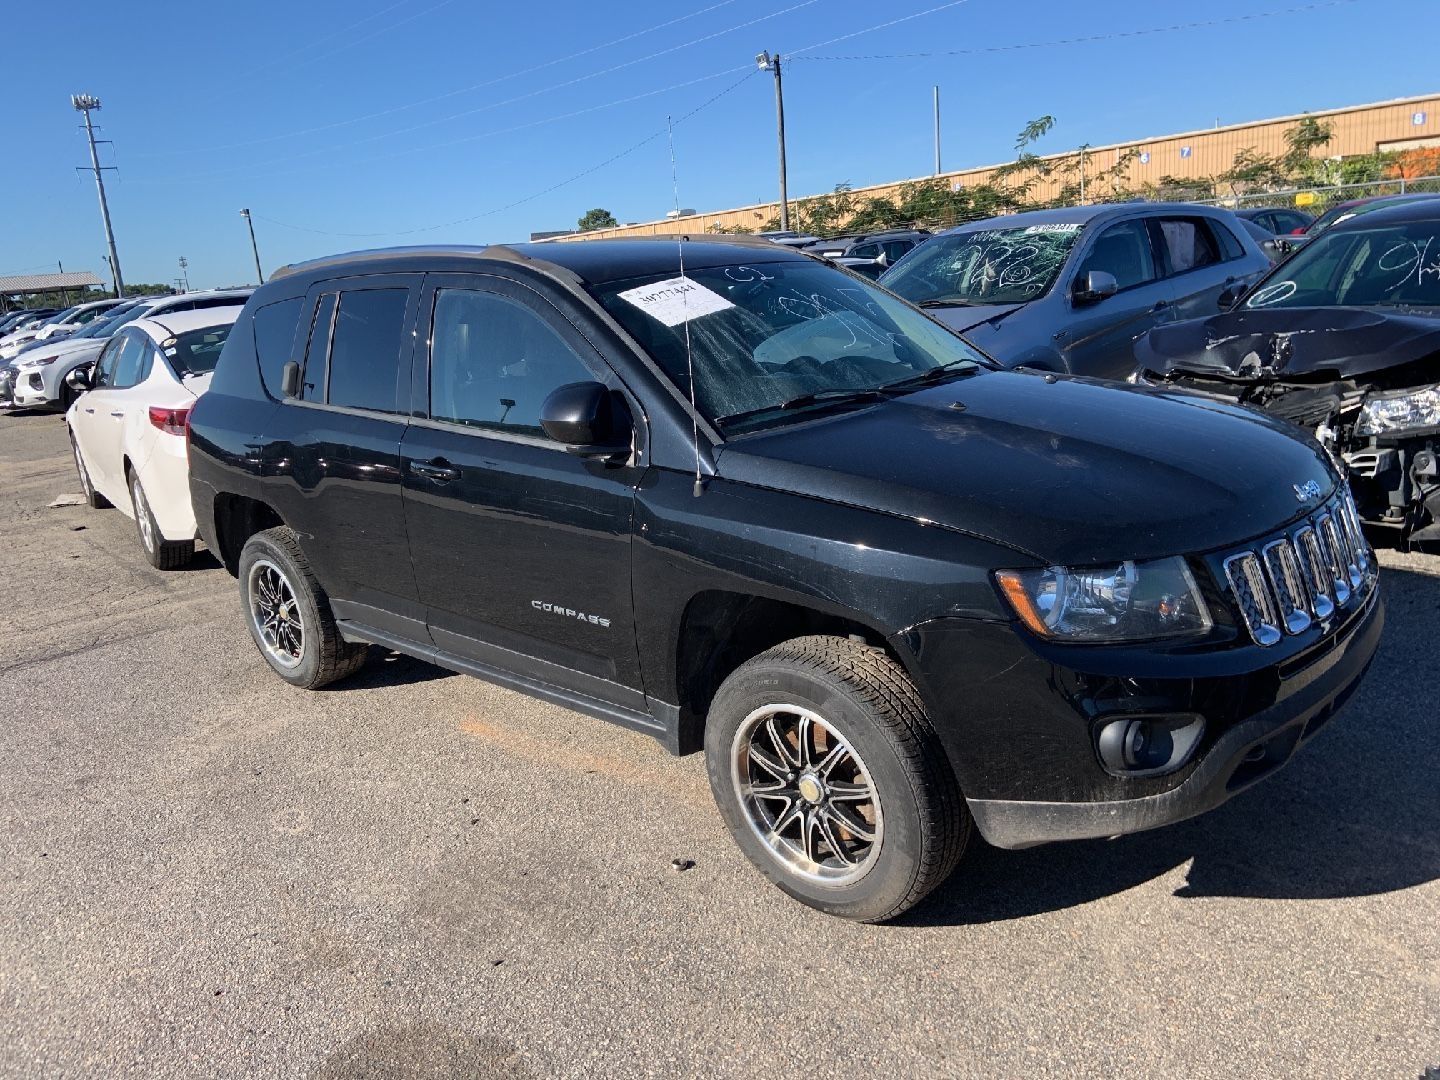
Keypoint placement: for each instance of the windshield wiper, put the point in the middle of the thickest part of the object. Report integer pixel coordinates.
(954, 301)
(833, 396)
(932, 375)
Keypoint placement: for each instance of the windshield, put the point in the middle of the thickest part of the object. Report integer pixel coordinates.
(112, 321)
(765, 338)
(1389, 265)
(195, 351)
(994, 266)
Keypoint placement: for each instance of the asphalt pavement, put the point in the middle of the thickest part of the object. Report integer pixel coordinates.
(205, 872)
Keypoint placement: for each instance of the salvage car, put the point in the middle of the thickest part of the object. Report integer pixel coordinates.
(128, 426)
(1344, 340)
(738, 499)
(1070, 290)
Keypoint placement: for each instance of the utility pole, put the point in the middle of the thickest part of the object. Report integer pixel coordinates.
(185, 272)
(766, 62)
(259, 274)
(937, 130)
(83, 103)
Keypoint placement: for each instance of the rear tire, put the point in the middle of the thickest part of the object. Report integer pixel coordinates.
(162, 554)
(825, 767)
(93, 498)
(289, 614)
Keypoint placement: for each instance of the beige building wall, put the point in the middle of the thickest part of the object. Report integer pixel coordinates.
(1358, 129)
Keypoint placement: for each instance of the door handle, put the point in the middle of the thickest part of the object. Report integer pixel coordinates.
(120, 414)
(1160, 305)
(90, 410)
(438, 470)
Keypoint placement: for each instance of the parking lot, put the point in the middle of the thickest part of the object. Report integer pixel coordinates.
(416, 874)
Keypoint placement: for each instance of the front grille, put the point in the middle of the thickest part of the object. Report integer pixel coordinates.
(1287, 582)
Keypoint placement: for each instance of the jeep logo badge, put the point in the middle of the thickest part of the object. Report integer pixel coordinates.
(1307, 491)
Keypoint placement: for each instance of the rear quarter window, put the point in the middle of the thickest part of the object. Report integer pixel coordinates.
(275, 326)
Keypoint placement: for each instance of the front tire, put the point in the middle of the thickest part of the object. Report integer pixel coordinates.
(161, 553)
(825, 767)
(289, 614)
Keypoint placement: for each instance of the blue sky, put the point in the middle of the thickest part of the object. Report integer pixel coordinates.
(385, 118)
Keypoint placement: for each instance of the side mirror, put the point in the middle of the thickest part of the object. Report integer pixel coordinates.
(1094, 286)
(79, 379)
(1230, 296)
(290, 379)
(883, 259)
(588, 418)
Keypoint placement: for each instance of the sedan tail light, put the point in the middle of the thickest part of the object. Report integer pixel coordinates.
(170, 421)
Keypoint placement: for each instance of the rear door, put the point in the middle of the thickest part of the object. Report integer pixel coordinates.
(521, 550)
(1098, 339)
(337, 448)
(1197, 261)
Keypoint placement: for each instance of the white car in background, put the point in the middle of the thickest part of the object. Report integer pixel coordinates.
(75, 318)
(128, 427)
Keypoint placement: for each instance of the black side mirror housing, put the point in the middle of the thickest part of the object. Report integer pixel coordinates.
(1094, 286)
(588, 418)
(1230, 296)
(290, 379)
(79, 379)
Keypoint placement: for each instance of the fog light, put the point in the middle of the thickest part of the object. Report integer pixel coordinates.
(1148, 745)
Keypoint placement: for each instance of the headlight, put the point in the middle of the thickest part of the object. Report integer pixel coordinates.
(1132, 601)
(1401, 411)
(41, 362)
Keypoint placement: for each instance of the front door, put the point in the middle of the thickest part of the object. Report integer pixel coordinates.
(101, 413)
(521, 550)
(1099, 339)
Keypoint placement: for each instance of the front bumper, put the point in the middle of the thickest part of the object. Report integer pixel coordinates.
(1246, 753)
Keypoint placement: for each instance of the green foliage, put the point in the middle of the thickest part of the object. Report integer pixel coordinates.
(597, 219)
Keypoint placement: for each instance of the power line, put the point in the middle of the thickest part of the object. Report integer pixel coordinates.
(878, 26)
(495, 81)
(1092, 38)
(273, 61)
(536, 195)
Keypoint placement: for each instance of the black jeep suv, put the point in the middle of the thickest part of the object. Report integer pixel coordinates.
(735, 497)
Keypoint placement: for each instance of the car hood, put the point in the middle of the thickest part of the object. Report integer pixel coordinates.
(63, 349)
(1291, 343)
(1068, 471)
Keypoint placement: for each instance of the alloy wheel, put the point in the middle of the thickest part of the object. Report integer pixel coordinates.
(142, 514)
(807, 795)
(275, 614)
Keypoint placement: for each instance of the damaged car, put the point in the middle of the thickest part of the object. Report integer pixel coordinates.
(1342, 339)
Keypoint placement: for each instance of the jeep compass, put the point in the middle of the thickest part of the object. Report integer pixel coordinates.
(752, 504)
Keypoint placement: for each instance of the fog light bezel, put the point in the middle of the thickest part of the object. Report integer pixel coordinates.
(1116, 746)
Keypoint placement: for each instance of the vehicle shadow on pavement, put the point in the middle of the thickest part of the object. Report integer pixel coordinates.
(1353, 814)
(386, 668)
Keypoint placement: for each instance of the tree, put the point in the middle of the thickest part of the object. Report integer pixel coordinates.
(597, 219)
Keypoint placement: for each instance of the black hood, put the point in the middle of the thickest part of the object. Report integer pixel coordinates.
(1291, 343)
(1071, 471)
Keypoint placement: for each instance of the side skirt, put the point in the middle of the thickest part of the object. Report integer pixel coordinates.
(666, 733)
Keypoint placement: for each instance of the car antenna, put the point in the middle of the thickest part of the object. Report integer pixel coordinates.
(684, 307)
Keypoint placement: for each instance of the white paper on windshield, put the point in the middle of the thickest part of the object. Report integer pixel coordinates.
(676, 299)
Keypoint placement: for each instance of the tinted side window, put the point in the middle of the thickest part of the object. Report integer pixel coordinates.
(894, 249)
(312, 385)
(274, 336)
(365, 349)
(105, 366)
(865, 251)
(1188, 244)
(1232, 247)
(493, 362)
(1124, 251)
(132, 355)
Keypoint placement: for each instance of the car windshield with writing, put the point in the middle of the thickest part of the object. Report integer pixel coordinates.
(779, 341)
(195, 351)
(992, 266)
(1386, 266)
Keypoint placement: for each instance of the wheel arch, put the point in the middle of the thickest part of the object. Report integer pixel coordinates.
(237, 518)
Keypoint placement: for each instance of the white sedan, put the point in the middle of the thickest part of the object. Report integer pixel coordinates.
(128, 428)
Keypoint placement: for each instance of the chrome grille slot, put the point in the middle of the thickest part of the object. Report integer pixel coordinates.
(1315, 572)
(1336, 556)
(1251, 593)
(1284, 570)
(1358, 548)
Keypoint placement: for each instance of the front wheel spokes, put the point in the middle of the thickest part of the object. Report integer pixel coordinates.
(769, 763)
(809, 825)
(853, 824)
(783, 750)
(836, 754)
(845, 791)
(823, 818)
(794, 812)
